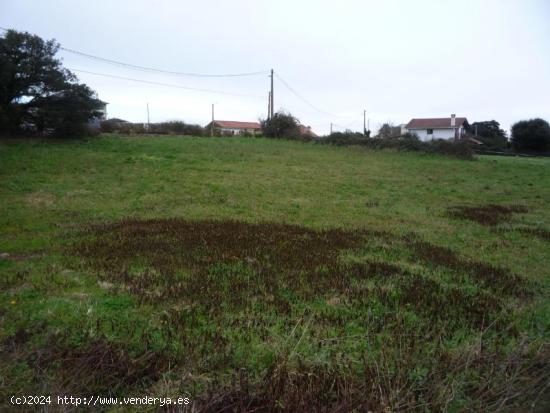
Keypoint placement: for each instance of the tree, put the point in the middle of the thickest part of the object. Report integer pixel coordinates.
(490, 133)
(36, 92)
(531, 135)
(388, 130)
(281, 125)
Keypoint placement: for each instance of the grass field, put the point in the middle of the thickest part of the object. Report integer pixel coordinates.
(260, 275)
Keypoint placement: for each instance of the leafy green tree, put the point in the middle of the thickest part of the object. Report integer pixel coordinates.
(281, 125)
(490, 133)
(37, 93)
(531, 135)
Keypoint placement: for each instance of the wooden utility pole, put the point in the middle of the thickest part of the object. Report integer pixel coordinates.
(271, 96)
(365, 122)
(331, 128)
(212, 124)
(148, 120)
(269, 105)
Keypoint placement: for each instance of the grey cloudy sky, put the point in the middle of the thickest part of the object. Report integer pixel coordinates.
(396, 59)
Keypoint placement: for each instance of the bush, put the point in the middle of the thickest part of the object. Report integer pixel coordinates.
(73, 129)
(281, 125)
(408, 142)
(130, 128)
(176, 128)
(163, 128)
(458, 149)
(345, 138)
(531, 135)
(107, 126)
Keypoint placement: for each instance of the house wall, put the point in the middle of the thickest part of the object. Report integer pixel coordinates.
(103, 112)
(437, 133)
(237, 131)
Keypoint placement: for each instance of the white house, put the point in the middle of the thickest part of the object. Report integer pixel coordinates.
(438, 128)
(235, 127)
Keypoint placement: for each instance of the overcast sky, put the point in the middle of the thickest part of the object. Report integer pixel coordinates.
(395, 59)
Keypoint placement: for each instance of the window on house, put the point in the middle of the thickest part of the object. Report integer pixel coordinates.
(430, 131)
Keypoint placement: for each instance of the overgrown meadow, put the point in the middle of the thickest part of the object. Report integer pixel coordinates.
(260, 275)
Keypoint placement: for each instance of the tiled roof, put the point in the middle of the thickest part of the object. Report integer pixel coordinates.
(434, 123)
(232, 124)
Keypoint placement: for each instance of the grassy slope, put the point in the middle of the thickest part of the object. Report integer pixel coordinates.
(49, 190)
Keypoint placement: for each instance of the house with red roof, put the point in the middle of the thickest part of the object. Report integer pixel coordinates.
(438, 128)
(232, 127)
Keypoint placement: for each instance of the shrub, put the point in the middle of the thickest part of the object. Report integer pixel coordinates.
(107, 126)
(131, 128)
(176, 128)
(162, 128)
(408, 142)
(531, 135)
(458, 149)
(345, 138)
(281, 125)
(73, 129)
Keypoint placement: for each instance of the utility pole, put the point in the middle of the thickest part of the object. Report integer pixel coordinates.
(148, 121)
(365, 122)
(331, 128)
(269, 105)
(212, 124)
(271, 95)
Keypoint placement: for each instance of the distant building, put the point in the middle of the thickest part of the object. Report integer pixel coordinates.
(233, 127)
(95, 122)
(102, 110)
(438, 128)
(116, 121)
(307, 131)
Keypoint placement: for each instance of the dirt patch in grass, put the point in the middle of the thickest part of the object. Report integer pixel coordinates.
(495, 278)
(199, 258)
(97, 367)
(372, 268)
(221, 266)
(488, 215)
(537, 232)
(222, 288)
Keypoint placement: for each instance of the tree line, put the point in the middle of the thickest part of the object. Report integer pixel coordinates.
(38, 96)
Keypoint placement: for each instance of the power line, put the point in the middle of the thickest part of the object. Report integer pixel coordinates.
(303, 99)
(220, 92)
(153, 69)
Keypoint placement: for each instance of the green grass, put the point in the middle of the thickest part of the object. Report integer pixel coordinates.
(276, 273)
